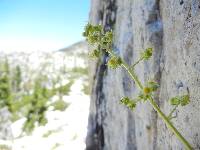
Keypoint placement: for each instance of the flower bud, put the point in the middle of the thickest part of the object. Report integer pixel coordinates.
(146, 90)
(147, 53)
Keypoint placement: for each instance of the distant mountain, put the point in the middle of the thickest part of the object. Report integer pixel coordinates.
(78, 47)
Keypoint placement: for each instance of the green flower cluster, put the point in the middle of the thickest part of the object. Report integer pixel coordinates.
(131, 104)
(102, 41)
(150, 87)
(180, 100)
(95, 53)
(114, 62)
(144, 95)
(147, 53)
(93, 33)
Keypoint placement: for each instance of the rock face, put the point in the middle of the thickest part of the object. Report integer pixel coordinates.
(172, 29)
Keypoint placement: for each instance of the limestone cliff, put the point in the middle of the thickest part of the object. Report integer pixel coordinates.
(172, 29)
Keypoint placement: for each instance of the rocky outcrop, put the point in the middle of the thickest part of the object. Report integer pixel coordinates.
(172, 29)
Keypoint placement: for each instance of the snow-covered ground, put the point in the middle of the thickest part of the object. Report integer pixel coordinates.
(68, 127)
(65, 130)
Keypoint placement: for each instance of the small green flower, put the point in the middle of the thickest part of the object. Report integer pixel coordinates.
(87, 30)
(97, 28)
(150, 87)
(109, 36)
(106, 41)
(95, 53)
(93, 33)
(175, 101)
(185, 99)
(131, 104)
(180, 100)
(146, 90)
(125, 100)
(147, 53)
(114, 62)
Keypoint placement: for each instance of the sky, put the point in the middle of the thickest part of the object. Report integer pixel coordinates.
(44, 25)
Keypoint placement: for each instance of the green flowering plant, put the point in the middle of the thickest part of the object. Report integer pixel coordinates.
(102, 42)
(131, 104)
(114, 62)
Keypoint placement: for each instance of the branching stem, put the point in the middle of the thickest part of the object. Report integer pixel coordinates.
(170, 114)
(154, 105)
(137, 62)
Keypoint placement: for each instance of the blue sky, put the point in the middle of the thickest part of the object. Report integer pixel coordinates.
(28, 25)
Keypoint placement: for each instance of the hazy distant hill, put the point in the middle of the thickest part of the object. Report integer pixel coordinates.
(54, 69)
(79, 47)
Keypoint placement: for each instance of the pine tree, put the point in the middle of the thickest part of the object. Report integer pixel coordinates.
(17, 79)
(5, 88)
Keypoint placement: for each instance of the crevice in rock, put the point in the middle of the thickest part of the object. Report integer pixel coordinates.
(158, 43)
(95, 136)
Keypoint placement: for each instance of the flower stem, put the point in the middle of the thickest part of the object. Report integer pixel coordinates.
(157, 109)
(137, 62)
(155, 106)
(169, 124)
(170, 114)
(133, 75)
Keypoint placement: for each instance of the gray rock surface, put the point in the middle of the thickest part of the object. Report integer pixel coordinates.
(172, 29)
